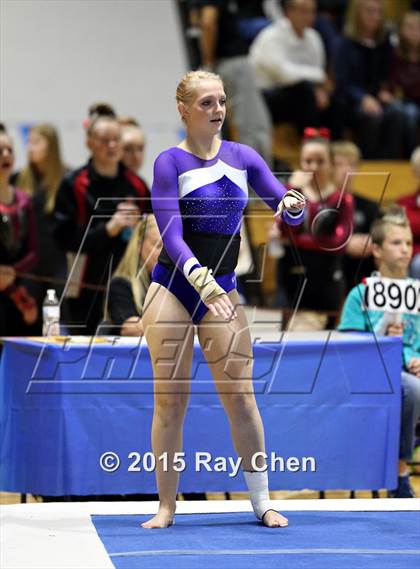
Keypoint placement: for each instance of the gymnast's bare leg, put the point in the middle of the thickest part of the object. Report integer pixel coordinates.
(228, 351)
(164, 318)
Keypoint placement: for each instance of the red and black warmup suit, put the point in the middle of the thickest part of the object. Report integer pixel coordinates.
(18, 249)
(85, 203)
(411, 205)
(316, 253)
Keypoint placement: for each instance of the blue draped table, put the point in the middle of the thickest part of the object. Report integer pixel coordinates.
(334, 400)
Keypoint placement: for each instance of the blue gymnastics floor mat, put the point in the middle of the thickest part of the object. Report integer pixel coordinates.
(313, 540)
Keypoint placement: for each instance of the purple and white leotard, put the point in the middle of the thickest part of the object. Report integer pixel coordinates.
(198, 206)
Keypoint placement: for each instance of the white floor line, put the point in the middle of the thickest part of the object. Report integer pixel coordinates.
(301, 551)
(62, 536)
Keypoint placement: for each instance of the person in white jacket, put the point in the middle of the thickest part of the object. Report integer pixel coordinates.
(289, 61)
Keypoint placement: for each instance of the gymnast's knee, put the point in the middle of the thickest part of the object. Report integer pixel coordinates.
(241, 404)
(170, 409)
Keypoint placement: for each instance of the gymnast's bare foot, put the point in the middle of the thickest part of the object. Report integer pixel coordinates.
(163, 519)
(273, 519)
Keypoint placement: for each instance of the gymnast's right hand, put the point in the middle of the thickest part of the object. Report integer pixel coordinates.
(222, 306)
(211, 293)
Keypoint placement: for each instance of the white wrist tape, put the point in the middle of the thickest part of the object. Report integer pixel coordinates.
(257, 483)
(205, 284)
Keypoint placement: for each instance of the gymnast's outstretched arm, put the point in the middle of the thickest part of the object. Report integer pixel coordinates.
(269, 188)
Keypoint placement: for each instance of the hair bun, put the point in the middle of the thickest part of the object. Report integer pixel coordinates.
(97, 111)
(101, 110)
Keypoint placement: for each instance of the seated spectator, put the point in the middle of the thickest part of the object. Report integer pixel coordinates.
(392, 249)
(96, 205)
(311, 271)
(18, 249)
(411, 204)
(41, 179)
(358, 260)
(289, 61)
(131, 279)
(227, 30)
(405, 75)
(362, 72)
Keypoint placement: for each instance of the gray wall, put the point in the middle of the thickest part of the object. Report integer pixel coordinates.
(59, 56)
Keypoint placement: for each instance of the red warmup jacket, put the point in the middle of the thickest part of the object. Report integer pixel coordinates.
(412, 207)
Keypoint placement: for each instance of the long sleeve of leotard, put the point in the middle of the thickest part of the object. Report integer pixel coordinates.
(165, 204)
(266, 185)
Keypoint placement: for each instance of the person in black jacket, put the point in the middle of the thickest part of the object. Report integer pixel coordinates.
(362, 75)
(97, 205)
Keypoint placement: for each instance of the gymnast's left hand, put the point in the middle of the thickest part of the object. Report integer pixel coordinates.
(292, 200)
(222, 306)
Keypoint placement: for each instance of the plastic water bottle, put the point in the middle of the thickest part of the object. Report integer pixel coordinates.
(51, 314)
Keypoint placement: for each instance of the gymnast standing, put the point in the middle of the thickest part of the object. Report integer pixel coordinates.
(199, 192)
